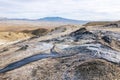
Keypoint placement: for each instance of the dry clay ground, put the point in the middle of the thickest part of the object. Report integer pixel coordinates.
(89, 57)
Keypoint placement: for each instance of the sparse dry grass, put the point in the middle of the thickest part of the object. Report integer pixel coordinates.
(12, 36)
(14, 30)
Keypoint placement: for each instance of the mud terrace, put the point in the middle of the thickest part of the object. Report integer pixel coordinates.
(66, 53)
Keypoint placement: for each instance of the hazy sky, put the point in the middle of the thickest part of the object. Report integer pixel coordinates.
(73, 9)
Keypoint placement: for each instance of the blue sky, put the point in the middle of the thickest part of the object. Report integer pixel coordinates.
(73, 9)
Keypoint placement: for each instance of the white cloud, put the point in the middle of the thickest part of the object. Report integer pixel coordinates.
(75, 9)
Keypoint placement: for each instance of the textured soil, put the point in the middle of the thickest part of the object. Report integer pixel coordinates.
(87, 53)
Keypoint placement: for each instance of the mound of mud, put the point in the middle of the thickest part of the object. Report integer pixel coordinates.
(83, 33)
(97, 70)
(110, 39)
(37, 32)
(107, 39)
(113, 25)
(83, 54)
(62, 29)
(59, 29)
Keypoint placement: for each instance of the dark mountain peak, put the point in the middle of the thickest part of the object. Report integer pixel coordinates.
(49, 19)
(60, 19)
(53, 18)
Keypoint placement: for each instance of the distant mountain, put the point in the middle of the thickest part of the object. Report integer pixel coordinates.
(60, 19)
(47, 19)
(3, 18)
